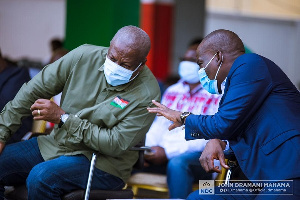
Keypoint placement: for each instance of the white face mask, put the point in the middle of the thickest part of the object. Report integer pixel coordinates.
(188, 71)
(117, 75)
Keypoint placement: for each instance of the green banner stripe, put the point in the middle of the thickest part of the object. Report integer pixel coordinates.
(115, 104)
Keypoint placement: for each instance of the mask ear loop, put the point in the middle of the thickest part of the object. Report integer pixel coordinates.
(134, 71)
(210, 60)
(219, 68)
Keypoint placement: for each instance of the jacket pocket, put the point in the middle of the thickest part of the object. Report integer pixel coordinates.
(274, 143)
(107, 115)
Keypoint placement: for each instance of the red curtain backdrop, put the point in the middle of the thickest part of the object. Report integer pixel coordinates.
(157, 20)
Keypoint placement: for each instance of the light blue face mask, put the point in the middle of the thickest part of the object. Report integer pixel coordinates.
(117, 75)
(210, 85)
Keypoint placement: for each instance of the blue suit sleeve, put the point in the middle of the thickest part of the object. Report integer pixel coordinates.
(248, 85)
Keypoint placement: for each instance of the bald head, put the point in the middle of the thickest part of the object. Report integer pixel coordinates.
(217, 52)
(133, 38)
(225, 41)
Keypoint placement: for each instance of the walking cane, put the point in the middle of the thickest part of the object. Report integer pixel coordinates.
(89, 183)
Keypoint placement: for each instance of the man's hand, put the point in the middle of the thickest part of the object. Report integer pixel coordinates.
(2, 145)
(158, 156)
(168, 113)
(44, 109)
(213, 150)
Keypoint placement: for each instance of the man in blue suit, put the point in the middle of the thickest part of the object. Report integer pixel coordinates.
(259, 114)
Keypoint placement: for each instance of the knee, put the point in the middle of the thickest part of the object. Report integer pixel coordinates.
(177, 163)
(42, 183)
(38, 178)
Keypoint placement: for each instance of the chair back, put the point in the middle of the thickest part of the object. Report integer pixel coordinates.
(140, 147)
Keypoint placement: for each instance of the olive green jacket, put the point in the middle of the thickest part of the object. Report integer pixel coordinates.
(103, 119)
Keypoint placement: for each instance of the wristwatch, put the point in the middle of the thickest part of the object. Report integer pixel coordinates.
(183, 116)
(63, 119)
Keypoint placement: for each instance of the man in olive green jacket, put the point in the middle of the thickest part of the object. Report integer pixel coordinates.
(105, 93)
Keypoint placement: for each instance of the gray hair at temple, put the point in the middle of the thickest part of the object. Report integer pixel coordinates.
(135, 38)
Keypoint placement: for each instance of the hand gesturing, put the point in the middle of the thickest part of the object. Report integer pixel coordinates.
(168, 113)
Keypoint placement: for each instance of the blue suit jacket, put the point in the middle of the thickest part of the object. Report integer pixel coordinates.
(259, 114)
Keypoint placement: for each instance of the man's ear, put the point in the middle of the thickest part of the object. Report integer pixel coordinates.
(219, 57)
(143, 64)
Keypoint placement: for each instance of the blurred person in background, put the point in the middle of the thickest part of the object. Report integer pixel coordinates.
(171, 153)
(12, 78)
(57, 50)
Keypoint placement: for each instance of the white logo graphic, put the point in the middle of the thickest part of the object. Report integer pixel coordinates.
(206, 187)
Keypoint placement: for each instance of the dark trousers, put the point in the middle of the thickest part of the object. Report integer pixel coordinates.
(22, 163)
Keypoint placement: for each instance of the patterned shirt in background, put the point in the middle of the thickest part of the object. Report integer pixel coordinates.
(178, 97)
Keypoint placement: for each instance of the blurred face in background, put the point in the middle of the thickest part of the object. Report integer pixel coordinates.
(188, 67)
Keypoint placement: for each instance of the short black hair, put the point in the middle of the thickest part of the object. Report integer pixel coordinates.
(56, 44)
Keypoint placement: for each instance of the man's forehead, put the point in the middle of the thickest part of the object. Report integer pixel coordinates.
(121, 50)
(203, 51)
(199, 52)
(117, 46)
(126, 54)
(201, 47)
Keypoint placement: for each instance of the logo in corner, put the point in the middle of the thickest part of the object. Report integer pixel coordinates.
(206, 187)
